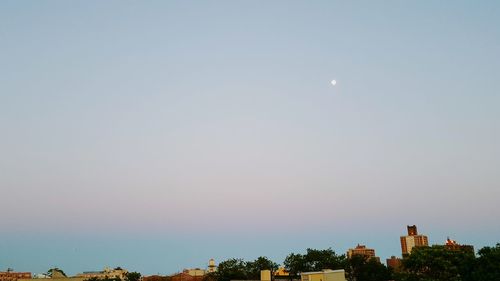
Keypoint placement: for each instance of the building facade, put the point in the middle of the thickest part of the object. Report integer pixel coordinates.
(413, 239)
(454, 246)
(325, 275)
(195, 271)
(211, 266)
(10, 275)
(185, 277)
(394, 263)
(106, 273)
(281, 272)
(362, 250)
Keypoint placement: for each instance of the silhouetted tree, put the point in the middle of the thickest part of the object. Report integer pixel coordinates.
(231, 269)
(487, 265)
(359, 268)
(253, 268)
(437, 263)
(132, 276)
(295, 264)
(314, 260)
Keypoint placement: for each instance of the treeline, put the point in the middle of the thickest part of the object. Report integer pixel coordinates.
(436, 263)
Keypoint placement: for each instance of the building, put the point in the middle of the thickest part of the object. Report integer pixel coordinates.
(265, 275)
(325, 275)
(201, 272)
(195, 271)
(361, 250)
(117, 272)
(55, 277)
(454, 246)
(394, 263)
(281, 272)
(183, 276)
(211, 266)
(10, 275)
(54, 274)
(155, 278)
(413, 239)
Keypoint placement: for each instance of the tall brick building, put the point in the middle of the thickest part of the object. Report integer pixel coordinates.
(362, 250)
(413, 239)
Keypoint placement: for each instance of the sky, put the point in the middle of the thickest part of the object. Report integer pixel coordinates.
(155, 135)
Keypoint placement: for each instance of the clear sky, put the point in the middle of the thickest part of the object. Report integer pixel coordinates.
(155, 135)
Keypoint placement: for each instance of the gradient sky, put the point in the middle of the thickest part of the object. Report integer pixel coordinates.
(155, 135)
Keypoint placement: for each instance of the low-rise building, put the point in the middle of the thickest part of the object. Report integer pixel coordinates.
(56, 278)
(11, 275)
(117, 272)
(394, 263)
(325, 275)
(183, 276)
(195, 271)
(281, 272)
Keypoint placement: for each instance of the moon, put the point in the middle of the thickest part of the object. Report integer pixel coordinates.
(333, 82)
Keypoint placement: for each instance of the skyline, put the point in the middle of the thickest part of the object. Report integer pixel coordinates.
(176, 130)
(118, 246)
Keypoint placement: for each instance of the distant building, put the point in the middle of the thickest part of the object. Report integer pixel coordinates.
(394, 263)
(106, 273)
(453, 245)
(195, 271)
(10, 275)
(201, 272)
(325, 275)
(413, 239)
(281, 272)
(183, 276)
(156, 278)
(361, 250)
(55, 276)
(265, 275)
(211, 266)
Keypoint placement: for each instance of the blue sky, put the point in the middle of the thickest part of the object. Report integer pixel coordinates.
(156, 135)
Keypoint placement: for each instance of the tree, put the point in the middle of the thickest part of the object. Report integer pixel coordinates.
(359, 268)
(132, 276)
(317, 260)
(253, 268)
(294, 264)
(487, 266)
(313, 260)
(437, 263)
(231, 269)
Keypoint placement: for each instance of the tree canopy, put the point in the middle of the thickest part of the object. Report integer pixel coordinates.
(359, 268)
(487, 265)
(132, 276)
(438, 263)
(314, 260)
